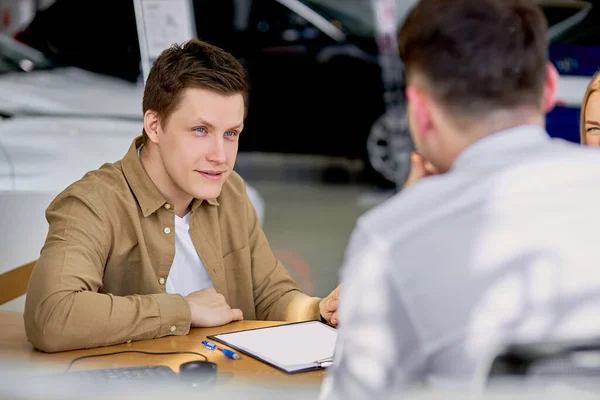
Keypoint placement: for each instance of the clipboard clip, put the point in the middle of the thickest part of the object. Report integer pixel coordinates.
(324, 363)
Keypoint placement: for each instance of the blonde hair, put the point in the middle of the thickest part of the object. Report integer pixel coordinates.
(592, 87)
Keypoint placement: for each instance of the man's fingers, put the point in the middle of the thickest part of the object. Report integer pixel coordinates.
(417, 161)
(415, 157)
(417, 169)
(334, 318)
(430, 168)
(236, 314)
(332, 304)
(336, 293)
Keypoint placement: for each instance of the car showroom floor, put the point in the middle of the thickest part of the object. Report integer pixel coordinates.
(308, 222)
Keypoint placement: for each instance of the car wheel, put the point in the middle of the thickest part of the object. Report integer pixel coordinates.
(389, 146)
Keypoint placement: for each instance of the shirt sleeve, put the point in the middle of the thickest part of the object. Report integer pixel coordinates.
(64, 309)
(377, 351)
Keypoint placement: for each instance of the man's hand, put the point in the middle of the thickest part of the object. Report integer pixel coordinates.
(419, 168)
(329, 306)
(209, 308)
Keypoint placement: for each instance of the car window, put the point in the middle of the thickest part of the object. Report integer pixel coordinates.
(356, 17)
(272, 24)
(586, 33)
(556, 13)
(572, 23)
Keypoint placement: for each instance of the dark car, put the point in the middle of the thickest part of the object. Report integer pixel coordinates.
(316, 82)
(574, 37)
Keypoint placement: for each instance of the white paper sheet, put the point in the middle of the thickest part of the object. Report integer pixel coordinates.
(290, 346)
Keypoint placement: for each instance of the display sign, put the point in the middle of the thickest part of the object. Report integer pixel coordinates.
(160, 24)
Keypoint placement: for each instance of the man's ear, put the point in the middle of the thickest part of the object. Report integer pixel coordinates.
(550, 87)
(152, 125)
(418, 112)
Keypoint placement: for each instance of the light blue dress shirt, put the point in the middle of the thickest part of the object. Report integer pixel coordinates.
(504, 247)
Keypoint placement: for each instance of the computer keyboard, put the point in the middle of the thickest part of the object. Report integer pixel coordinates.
(146, 373)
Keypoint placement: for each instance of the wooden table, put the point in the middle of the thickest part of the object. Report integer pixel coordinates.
(14, 345)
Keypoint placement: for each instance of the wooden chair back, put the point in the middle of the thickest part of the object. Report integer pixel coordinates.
(14, 283)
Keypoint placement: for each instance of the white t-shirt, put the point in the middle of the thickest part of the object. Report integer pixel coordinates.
(188, 273)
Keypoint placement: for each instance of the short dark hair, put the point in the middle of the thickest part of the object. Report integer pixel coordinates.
(477, 55)
(194, 64)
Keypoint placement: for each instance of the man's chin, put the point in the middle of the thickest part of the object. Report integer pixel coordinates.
(207, 193)
(206, 189)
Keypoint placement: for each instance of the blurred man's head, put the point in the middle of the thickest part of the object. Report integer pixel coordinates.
(473, 67)
(194, 108)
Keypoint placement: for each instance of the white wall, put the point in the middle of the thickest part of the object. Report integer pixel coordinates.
(23, 230)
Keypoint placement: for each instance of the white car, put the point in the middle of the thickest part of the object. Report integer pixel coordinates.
(47, 153)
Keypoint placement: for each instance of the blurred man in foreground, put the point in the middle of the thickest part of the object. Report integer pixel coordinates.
(497, 242)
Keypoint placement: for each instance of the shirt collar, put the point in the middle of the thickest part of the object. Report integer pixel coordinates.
(502, 142)
(147, 194)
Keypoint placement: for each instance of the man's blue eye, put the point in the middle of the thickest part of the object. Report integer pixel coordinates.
(200, 129)
(230, 133)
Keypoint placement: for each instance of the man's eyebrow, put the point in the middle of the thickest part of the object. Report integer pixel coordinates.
(238, 126)
(210, 126)
(202, 121)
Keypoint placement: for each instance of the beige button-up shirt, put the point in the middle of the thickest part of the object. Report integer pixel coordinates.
(100, 276)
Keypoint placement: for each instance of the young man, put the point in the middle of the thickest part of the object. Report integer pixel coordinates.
(165, 239)
(499, 243)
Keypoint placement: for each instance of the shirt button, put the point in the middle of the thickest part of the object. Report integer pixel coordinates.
(168, 206)
(161, 281)
(167, 230)
(173, 328)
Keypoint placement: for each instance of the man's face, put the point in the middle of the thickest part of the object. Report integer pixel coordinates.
(198, 143)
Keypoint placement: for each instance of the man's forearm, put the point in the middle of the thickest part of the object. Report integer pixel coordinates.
(76, 320)
(301, 307)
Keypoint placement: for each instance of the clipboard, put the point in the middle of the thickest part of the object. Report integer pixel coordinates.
(292, 348)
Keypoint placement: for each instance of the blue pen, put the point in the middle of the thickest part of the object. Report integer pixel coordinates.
(228, 353)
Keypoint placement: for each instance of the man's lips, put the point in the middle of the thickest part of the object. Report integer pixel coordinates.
(211, 175)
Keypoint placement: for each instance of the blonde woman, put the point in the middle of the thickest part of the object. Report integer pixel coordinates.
(590, 113)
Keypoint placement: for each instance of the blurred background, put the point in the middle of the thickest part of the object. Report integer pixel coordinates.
(325, 139)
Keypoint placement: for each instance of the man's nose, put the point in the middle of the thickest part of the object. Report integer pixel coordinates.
(217, 150)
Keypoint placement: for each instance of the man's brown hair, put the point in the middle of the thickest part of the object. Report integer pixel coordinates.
(477, 55)
(194, 64)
